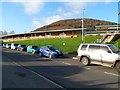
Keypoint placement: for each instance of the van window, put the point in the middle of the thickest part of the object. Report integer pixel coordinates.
(83, 47)
(104, 48)
(113, 48)
(94, 47)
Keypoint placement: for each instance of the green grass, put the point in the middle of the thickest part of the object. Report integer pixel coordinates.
(67, 45)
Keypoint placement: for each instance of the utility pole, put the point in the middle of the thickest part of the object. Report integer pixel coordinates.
(118, 16)
(118, 23)
(83, 27)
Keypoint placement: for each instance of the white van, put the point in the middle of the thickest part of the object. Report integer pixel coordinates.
(102, 54)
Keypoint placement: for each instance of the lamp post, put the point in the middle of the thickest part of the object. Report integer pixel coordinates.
(118, 16)
(83, 27)
(118, 23)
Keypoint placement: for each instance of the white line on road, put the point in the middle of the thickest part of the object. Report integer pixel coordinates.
(39, 75)
(111, 74)
(66, 63)
(75, 58)
(47, 79)
(87, 68)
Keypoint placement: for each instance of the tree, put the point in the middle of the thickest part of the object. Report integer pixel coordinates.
(12, 32)
(5, 32)
(1, 33)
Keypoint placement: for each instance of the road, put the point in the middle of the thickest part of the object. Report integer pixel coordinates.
(24, 70)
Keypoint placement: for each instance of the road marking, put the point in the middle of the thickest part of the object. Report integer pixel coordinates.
(47, 79)
(39, 75)
(75, 58)
(112, 74)
(87, 68)
(66, 63)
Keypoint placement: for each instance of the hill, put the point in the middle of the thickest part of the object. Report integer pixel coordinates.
(75, 23)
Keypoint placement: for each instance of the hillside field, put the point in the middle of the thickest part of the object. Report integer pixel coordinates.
(67, 45)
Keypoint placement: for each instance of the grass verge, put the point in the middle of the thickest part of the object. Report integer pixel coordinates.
(67, 45)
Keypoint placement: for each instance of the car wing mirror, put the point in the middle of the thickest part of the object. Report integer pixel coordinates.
(47, 49)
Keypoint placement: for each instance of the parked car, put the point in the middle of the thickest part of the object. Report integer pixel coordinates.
(4, 45)
(32, 49)
(8, 45)
(14, 46)
(22, 47)
(102, 54)
(50, 51)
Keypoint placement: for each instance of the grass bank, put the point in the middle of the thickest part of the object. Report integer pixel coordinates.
(67, 45)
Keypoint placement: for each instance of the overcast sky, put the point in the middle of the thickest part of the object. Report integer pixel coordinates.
(26, 15)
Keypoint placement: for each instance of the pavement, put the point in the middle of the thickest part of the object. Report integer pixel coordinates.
(24, 70)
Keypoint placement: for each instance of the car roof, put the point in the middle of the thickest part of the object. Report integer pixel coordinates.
(46, 46)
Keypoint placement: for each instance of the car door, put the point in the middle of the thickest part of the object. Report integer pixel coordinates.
(31, 49)
(47, 51)
(107, 55)
(94, 53)
(44, 51)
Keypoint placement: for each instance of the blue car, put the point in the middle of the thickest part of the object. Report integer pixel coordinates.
(32, 49)
(50, 51)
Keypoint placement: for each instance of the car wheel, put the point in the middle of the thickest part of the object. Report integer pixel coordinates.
(21, 49)
(33, 52)
(40, 54)
(85, 61)
(117, 66)
(50, 56)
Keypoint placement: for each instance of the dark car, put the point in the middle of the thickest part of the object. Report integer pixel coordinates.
(14, 46)
(22, 47)
(4, 45)
(32, 49)
(50, 51)
(8, 45)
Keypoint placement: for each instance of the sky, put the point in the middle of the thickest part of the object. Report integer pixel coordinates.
(27, 15)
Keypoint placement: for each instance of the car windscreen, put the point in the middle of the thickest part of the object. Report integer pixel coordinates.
(83, 47)
(15, 44)
(23, 46)
(113, 48)
(34, 47)
(52, 48)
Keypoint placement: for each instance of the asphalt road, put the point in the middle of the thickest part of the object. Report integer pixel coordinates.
(24, 70)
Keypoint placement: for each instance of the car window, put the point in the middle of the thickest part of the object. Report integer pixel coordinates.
(44, 48)
(34, 47)
(104, 48)
(52, 48)
(84, 47)
(94, 47)
(113, 48)
(15, 44)
(22, 45)
(29, 46)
